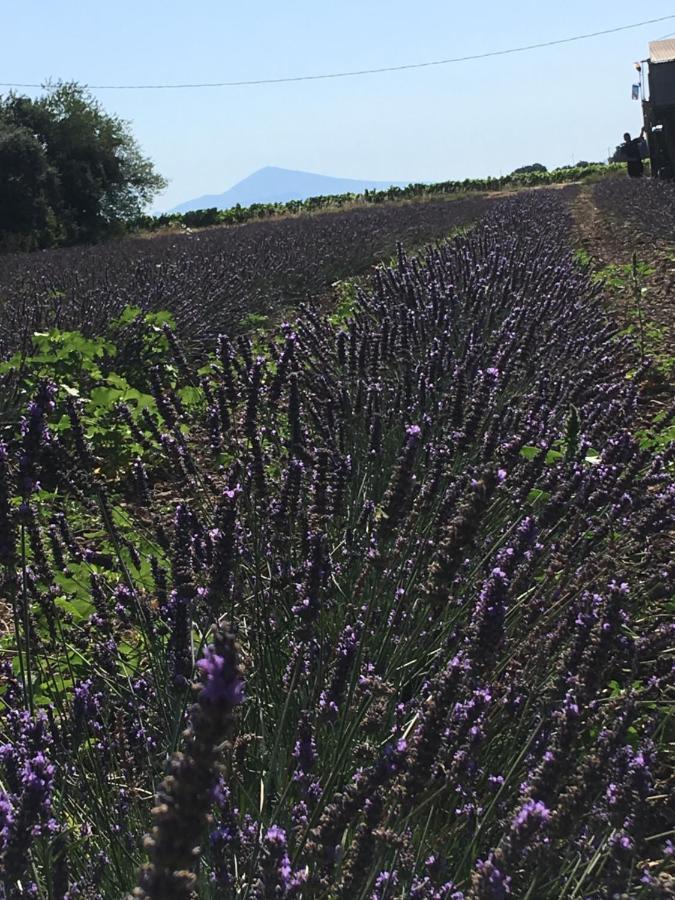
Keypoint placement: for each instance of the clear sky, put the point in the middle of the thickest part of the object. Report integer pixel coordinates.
(554, 106)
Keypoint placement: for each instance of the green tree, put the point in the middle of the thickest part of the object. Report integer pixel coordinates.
(89, 175)
(28, 186)
(528, 170)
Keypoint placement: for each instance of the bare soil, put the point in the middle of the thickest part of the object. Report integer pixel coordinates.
(612, 243)
(609, 242)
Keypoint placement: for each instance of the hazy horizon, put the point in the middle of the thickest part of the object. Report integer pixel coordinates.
(274, 184)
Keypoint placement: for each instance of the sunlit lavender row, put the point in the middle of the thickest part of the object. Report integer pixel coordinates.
(212, 279)
(373, 605)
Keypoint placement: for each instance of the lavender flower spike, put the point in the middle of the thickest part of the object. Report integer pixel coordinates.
(185, 796)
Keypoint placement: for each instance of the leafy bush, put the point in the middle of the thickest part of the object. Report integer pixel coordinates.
(94, 380)
(528, 170)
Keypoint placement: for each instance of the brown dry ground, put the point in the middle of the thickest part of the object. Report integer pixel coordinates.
(610, 242)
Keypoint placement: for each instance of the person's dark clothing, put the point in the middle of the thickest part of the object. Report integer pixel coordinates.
(633, 156)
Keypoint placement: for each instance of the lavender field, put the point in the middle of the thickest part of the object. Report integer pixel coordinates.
(371, 604)
(212, 279)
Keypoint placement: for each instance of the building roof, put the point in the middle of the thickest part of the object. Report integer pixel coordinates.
(662, 51)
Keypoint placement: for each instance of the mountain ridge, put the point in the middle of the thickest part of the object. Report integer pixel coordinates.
(273, 184)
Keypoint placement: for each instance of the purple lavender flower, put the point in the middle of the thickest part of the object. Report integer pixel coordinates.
(304, 751)
(276, 877)
(487, 625)
(6, 821)
(35, 437)
(7, 525)
(385, 884)
(221, 682)
(186, 795)
(489, 882)
(28, 813)
(532, 817)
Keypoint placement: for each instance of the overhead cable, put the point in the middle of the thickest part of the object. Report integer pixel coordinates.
(357, 72)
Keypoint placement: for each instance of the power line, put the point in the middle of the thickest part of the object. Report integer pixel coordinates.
(358, 72)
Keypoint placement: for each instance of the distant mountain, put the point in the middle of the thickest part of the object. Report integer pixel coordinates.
(274, 185)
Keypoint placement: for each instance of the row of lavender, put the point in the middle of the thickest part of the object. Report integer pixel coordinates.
(647, 206)
(391, 597)
(211, 280)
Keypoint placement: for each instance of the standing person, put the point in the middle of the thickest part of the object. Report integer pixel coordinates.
(631, 150)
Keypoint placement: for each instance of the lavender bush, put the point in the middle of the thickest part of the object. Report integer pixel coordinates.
(378, 607)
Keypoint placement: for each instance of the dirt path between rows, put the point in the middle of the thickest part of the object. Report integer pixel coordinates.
(610, 243)
(609, 246)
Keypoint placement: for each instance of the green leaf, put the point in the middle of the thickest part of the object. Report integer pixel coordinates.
(62, 425)
(190, 396)
(105, 397)
(163, 317)
(79, 609)
(530, 452)
(116, 380)
(130, 314)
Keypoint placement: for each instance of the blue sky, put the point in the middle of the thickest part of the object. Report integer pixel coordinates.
(473, 119)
